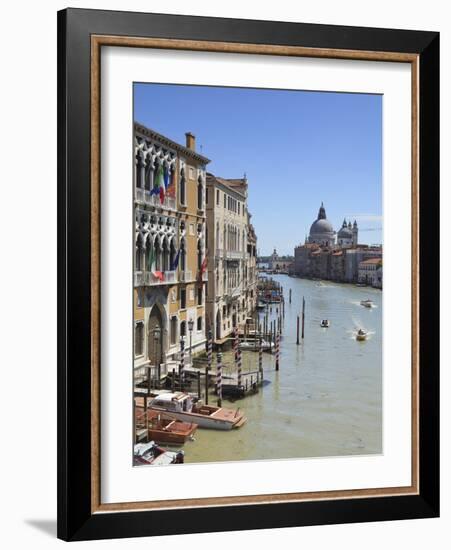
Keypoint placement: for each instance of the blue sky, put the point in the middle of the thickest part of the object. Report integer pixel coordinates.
(297, 149)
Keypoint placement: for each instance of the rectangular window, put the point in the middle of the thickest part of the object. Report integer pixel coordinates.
(183, 328)
(173, 330)
(199, 323)
(139, 338)
(217, 197)
(199, 296)
(225, 200)
(206, 195)
(183, 298)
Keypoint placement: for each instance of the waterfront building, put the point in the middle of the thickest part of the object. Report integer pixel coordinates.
(232, 258)
(170, 270)
(330, 255)
(370, 272)
(280, 263)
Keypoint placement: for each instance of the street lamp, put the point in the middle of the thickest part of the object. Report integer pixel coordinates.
(156, 336)
(190, 328)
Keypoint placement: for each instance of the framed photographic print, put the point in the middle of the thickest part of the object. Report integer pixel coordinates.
(248, 274)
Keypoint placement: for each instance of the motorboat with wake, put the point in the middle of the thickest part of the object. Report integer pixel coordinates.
(325, 323)
(367, 303)
(361, 335)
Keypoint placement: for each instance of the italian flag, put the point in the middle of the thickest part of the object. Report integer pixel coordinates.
(151, 261)
(158, 183)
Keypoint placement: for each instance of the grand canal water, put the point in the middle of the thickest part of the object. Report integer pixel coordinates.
(326, 399)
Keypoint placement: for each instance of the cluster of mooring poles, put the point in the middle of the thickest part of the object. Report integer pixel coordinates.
(267, 333)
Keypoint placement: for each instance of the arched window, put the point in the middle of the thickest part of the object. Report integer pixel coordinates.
(199, 254)
(138, 254)
(182, 187)
(149, 173)
(139, 338)
(199, 323)
(165, 255)
(172, 254)
(150, 256)
(139, 166)
(182, 260)
(200, 194)
(157, 249)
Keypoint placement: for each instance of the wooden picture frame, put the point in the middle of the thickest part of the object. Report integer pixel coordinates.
(81, 35)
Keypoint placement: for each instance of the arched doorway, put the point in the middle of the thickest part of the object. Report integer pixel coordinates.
(218, 325)
(155, 337)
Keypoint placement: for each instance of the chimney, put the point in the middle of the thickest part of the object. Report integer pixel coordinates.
(190, 141)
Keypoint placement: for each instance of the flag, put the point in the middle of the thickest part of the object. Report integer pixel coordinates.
(203, 267)
(158, 183)
(170, 188)
(150, 258)
(158, 275)
(175, 262)
(166, 177)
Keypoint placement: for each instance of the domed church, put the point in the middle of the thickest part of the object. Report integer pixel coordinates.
(323, 234)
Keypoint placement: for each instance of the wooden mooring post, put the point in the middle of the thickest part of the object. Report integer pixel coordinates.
(277, 351)
(198, 385)
(219, 378)
(289, 296)
(297, 331)
(208, 367)
(303, 316)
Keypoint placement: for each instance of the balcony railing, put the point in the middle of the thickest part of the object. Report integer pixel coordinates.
(147, 278)
(233, 254)
(144, 196)
(186, 276)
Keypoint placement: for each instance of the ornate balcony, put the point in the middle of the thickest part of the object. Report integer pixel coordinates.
(143, 196)
(233, 254)
(146, 278)
(186, 276)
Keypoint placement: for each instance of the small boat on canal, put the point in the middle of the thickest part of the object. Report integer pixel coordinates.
(151, 453)
(325, 323)
(163, 429)
(253, 345)
(366, 303)
(181, 406)
(361, 335)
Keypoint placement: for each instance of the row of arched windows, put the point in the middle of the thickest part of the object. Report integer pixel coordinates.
(234, 238)
(160, 254)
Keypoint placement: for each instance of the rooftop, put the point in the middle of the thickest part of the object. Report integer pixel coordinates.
(152, 134)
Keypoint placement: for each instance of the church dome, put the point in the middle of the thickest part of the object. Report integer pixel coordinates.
(321, 226)
(345, 233)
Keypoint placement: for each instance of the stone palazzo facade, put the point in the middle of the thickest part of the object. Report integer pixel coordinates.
(170, 274)
(195, 261)
(232, 256)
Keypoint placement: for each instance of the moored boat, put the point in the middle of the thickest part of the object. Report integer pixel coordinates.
(180, 405)
(253, 345)
(163, 429)
(151, 453)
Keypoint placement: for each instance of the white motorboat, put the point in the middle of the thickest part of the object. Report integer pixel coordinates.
(181, 406)
(325, 323)
(253, 345)
(366, 303)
